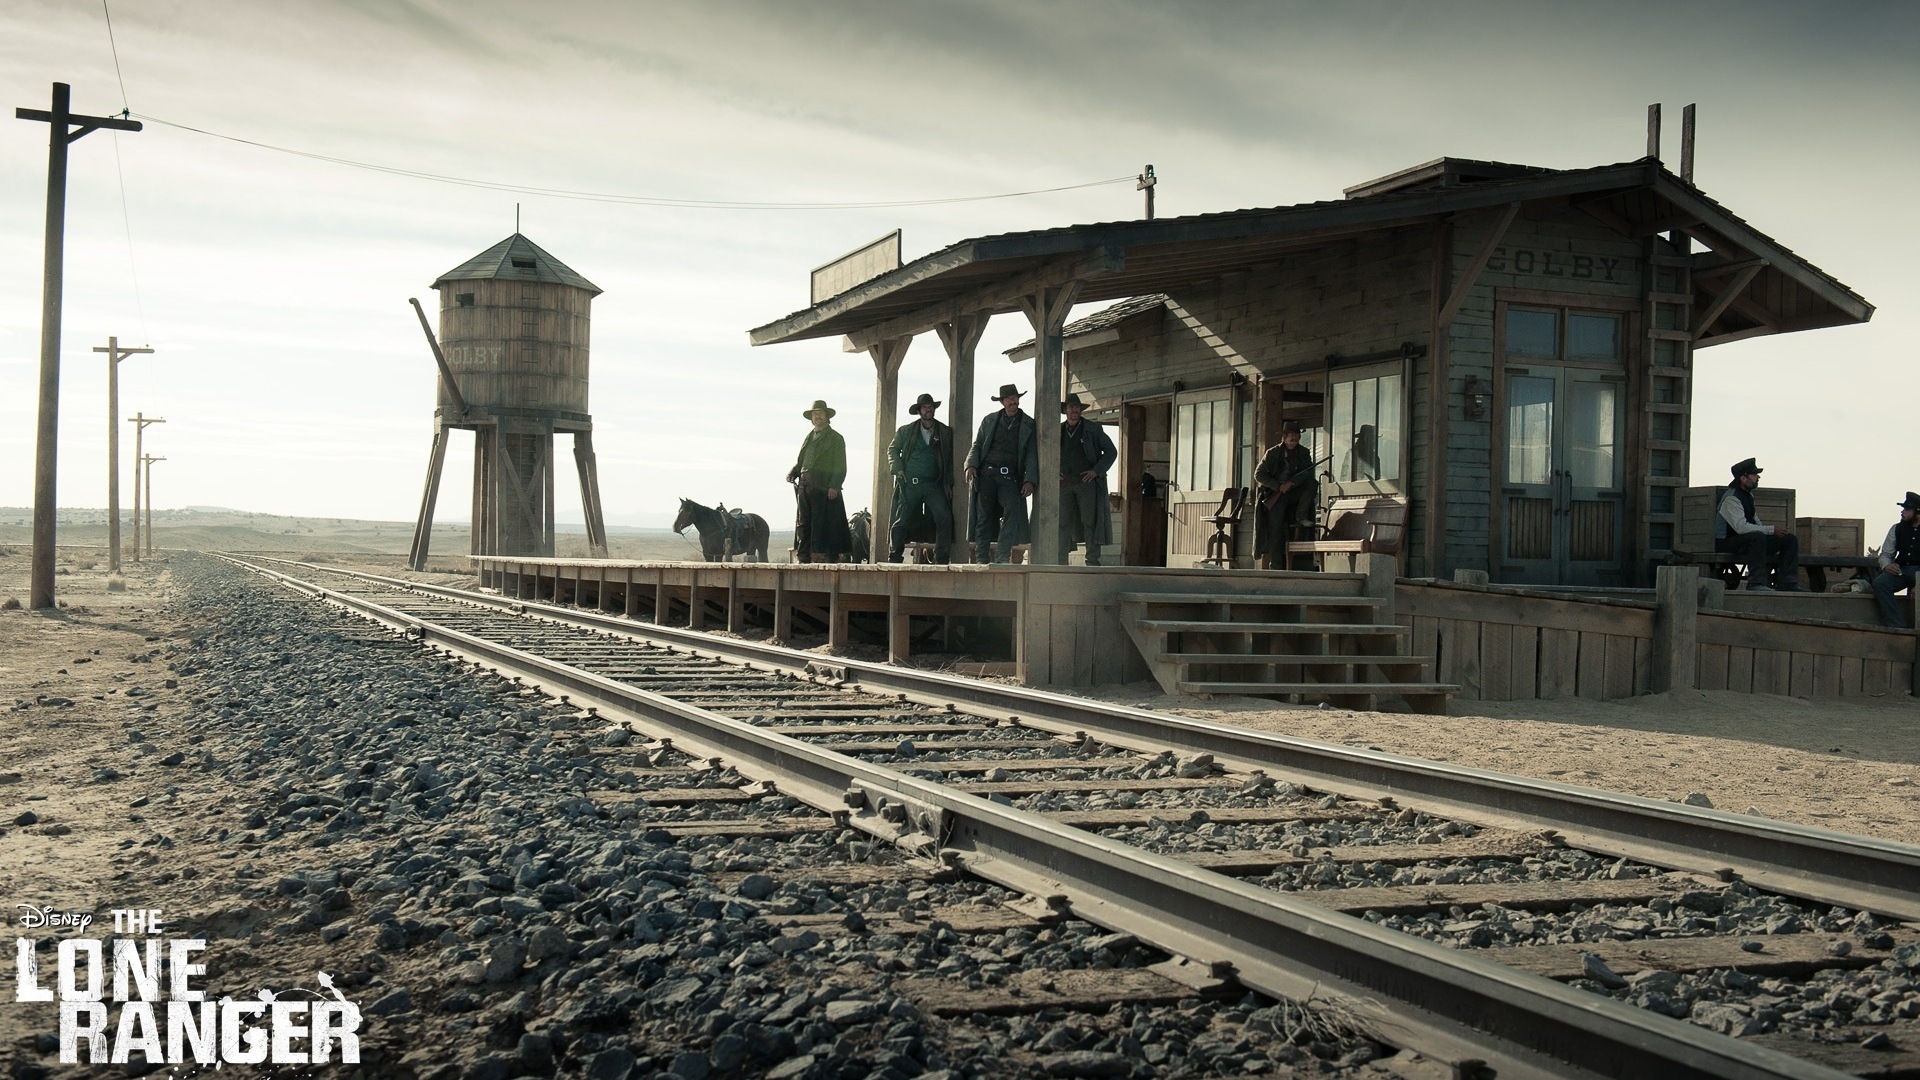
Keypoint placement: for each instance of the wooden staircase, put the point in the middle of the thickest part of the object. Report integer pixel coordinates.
(1327, 642)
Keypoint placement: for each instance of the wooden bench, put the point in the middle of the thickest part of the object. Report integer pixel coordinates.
(1357, 525)
(1732, 571)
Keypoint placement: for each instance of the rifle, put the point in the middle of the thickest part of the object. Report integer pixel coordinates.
(1273, 494)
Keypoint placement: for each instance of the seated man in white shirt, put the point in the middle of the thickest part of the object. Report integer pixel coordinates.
(1738, 532)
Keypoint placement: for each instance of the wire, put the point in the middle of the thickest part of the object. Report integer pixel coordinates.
(126, 217)
(126, 107)
(607, 197)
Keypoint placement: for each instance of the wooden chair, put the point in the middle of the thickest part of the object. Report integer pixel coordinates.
(1358, 525)
(1224, 517)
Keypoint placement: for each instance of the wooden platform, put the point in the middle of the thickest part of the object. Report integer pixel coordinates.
(1061, 624)
(1362, 638)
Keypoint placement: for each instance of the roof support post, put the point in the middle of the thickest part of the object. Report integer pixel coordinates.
(961, 337)
(1047, 309)
(886, 409)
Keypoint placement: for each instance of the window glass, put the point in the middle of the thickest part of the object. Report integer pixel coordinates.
(1388, 421)
(1340, 421)
(1595, 426)
(1533, 334)
(1363, 432)
(1529, 429)
(1592, 337)
(1220, 454)
(1246, 444)
(1183, 447)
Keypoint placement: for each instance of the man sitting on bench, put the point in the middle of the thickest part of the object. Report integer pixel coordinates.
(1899, 561)
(1737, 532)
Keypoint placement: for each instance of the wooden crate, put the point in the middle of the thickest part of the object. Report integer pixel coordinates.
(1831, 536)
(1698, 505)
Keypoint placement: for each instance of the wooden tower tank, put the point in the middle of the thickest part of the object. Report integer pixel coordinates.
(512, 353)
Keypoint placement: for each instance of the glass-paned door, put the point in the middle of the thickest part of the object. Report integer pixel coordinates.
(1208, 460)
(1564, 495)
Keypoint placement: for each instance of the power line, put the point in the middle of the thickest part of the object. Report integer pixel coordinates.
(126, 107)
(126, 218)
(608, 197)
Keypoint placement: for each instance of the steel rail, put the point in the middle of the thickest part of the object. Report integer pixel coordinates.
(1820, 865)
(1406, 991)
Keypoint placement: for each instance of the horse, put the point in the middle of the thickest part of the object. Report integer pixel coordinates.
(724, 533)
(860, 526)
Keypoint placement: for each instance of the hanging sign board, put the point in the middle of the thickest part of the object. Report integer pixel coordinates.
(859, 265)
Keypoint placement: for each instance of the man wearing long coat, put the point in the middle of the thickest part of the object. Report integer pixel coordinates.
(1004, 468)
(820, 518)
(922, 460)
(1086, 453)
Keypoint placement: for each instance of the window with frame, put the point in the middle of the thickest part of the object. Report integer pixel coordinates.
(1206, 443)
(1363, 426)
(1569, 335)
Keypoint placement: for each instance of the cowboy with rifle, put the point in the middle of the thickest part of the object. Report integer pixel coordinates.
(1287, 488)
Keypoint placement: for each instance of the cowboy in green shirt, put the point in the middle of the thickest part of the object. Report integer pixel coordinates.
(820, 516)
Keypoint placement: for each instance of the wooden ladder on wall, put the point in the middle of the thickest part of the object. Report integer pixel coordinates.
(1667, 322)
(1299, 648)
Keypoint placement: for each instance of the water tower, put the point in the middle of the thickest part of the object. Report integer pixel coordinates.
(512, 354)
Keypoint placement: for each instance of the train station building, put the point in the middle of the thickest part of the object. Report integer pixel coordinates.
(1504, 353)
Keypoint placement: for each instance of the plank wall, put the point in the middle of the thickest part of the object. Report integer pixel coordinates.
(1544, 250)
(1509, 645)
(1349, 297)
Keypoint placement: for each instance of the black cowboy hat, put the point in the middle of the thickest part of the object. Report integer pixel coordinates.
(1745, 466)
(1912, 503)
(1072, 399)
(1007, 391)
(925, 399)
(818, 403)
(1291, 427)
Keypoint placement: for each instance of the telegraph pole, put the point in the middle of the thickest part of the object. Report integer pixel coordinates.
(63, 126)
(115, 354)
(139, 422)
(1144, 182)
(148, 473)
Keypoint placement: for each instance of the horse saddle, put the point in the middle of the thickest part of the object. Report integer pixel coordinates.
(738, 529)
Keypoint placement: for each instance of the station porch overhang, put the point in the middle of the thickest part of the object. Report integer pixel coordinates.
(1745, 284)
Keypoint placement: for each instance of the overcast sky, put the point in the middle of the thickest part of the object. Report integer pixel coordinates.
(294, 378)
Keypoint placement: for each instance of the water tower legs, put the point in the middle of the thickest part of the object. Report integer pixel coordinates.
(589, 468)
(423, 525)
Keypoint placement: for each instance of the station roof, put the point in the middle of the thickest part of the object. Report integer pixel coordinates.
(1126, 259)
(517, 259)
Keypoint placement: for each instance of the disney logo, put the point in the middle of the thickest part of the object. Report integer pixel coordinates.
(32, 918)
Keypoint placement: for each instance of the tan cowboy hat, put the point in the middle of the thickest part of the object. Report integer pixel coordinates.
(817, 405)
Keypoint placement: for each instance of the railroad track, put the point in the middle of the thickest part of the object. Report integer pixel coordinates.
(1449, 909)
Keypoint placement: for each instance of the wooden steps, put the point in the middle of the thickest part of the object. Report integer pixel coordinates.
(1339, 647)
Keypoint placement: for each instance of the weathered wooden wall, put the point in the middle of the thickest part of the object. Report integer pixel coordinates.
(1544, 250)
(519, 345)
(1510, 645)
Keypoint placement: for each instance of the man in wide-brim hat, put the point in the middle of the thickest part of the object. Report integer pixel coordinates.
(922, 460)
(1287, 488)
(1899, 561)
(1739, 532)
(820, 514)
(1086, 453)
(1003, 467)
